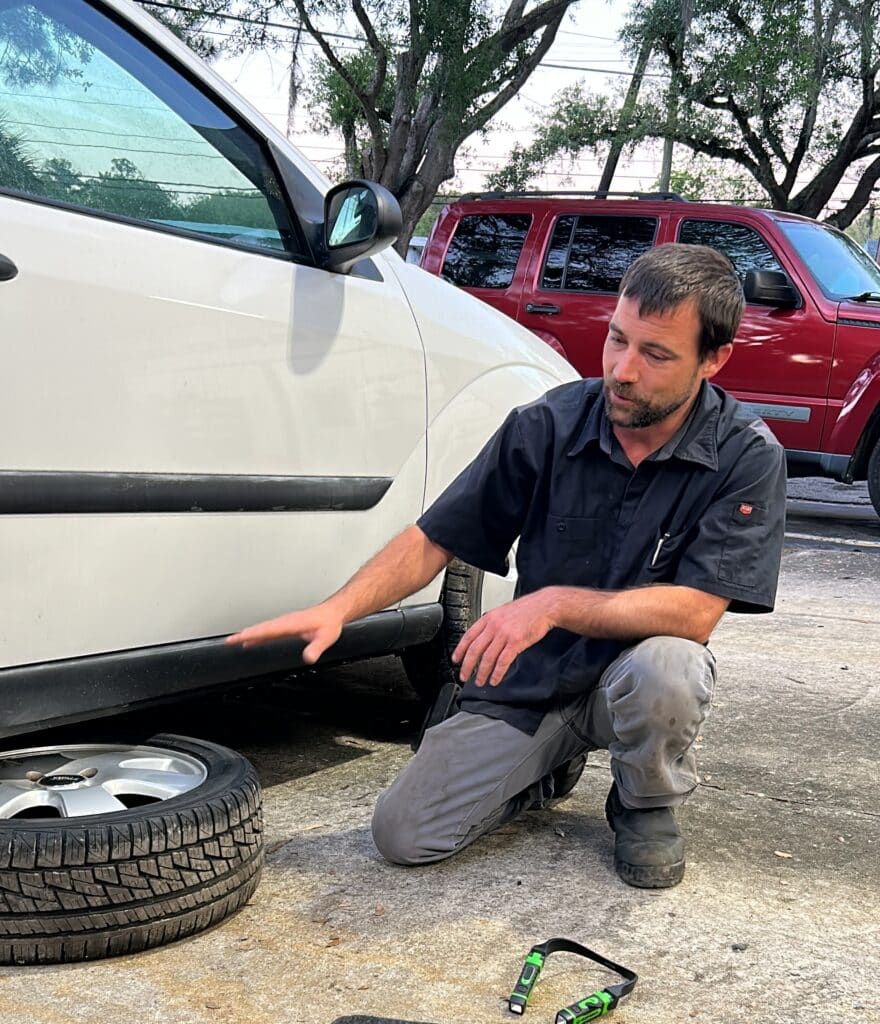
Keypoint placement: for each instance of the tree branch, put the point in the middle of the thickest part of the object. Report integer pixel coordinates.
(522, 72)
(859, 199)
(377, 48)
(364, 98)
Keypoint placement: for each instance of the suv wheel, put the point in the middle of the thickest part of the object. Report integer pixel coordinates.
(111, 849)
(874, 476)
(429, 666)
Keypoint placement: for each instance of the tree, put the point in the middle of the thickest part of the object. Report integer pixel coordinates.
(787, 91)
(423, 76)
(17, 170)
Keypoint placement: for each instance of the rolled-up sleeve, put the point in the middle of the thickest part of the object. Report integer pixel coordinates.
(481, 513)
(737, 549)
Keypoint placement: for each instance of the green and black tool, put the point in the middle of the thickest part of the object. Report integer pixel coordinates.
(591, 1008)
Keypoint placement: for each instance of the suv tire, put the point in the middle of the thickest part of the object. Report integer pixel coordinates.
(429, 666)
(87, 886)
(874, 476)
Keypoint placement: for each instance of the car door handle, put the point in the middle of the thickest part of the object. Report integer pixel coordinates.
(532, 307)
(8, 269)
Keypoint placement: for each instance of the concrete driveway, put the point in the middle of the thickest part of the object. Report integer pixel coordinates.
(776, 920)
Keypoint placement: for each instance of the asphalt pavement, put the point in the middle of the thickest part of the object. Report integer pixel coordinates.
(777, 920)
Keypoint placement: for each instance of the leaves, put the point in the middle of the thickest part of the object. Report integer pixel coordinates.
(405, 81)
(786, 91)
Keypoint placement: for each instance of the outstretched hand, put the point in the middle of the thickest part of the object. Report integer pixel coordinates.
(495, 639)
(318, 626)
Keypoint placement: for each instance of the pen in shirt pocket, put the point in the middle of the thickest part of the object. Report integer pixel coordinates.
(660, 544)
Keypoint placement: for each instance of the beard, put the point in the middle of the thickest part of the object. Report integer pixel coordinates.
(642, 412)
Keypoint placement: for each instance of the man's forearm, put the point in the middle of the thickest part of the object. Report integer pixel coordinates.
(403, 566)
(637, 613)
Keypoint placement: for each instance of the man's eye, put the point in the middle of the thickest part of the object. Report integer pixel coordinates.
(658, 357)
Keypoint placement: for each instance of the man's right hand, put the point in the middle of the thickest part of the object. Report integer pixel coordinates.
(319, 626)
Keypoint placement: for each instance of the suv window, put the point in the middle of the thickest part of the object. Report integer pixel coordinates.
(91, 117)
(485, 249)
(742, 245)
(592, 253)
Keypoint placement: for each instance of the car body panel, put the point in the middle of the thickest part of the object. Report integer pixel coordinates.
(139, 352)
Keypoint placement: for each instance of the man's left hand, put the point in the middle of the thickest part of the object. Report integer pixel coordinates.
(499, 636)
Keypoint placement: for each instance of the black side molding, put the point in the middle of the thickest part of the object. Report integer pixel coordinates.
(60, 493)
(59, 692)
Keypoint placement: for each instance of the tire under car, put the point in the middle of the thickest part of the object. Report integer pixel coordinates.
(429, 666)
(183, 850)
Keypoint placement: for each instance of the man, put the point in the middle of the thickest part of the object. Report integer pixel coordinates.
(646, 504)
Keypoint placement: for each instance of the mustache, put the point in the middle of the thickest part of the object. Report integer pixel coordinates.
(621, 390)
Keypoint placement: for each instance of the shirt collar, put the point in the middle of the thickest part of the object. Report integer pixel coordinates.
(695, 441)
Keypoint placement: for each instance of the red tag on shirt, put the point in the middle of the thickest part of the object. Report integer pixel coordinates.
(745, 510)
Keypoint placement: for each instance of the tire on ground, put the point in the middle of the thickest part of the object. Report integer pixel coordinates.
(429, 665)
(101, 885)
(874, 476)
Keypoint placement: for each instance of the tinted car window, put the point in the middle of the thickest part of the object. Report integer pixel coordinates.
(485, 249)
(591, 254)
(92, 118)
(742, 245)
(841, 268)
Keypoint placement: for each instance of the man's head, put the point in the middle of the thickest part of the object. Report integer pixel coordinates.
(674, 325)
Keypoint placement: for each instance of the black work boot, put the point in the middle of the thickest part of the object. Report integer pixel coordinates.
(567, 775)
(648, 848)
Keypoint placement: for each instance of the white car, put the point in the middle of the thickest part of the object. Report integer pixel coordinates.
(221, 393)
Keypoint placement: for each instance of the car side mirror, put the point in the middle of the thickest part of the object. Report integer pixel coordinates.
(771, 288)
(360, 218)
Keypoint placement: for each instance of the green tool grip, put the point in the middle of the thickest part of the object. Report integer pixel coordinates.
(591, 1008)
(528, 976)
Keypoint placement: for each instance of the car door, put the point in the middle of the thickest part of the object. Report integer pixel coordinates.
(573, 291)
(199, 427)
(781, 364)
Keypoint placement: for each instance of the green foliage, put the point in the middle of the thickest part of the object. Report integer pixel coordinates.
(427, 75)
(579, 121)
(16, 168)
(788, 91)
(703, 180)
(38, 50)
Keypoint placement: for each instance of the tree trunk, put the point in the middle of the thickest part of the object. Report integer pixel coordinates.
(632, 94)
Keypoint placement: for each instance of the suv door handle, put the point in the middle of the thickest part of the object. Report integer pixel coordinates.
(8, 269)
(548, 310)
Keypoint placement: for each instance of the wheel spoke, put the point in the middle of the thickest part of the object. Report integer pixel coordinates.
(17, 796)
(147, 782)
(75, 803)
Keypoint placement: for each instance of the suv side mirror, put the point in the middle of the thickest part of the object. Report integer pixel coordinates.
(360, 219)
(770, 288)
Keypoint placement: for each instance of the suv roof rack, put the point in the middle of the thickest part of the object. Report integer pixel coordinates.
(673, 196)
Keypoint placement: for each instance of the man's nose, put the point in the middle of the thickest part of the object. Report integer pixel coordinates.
(625, 368)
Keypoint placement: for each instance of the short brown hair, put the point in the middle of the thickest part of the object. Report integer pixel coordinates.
(668, 275)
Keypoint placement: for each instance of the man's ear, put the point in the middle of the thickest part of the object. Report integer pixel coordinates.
(716, 360)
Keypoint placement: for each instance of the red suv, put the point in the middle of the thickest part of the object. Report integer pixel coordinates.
(807, 354)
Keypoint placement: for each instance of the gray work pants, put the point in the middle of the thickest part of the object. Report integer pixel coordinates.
(472, 773)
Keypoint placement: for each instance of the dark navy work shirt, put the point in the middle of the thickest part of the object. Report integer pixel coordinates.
(706, 511)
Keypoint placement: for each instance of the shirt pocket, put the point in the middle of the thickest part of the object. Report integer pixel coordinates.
(663, 557)
(575, 550)
(743, 553)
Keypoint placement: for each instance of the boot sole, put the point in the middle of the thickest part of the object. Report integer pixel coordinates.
(650, 877)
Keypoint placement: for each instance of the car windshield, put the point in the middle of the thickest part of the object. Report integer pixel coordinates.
(841, 269)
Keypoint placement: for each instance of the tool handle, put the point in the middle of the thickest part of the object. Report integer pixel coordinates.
(527, 978)
(591, 1008)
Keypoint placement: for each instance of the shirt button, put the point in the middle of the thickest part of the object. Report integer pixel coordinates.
(560, 527)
